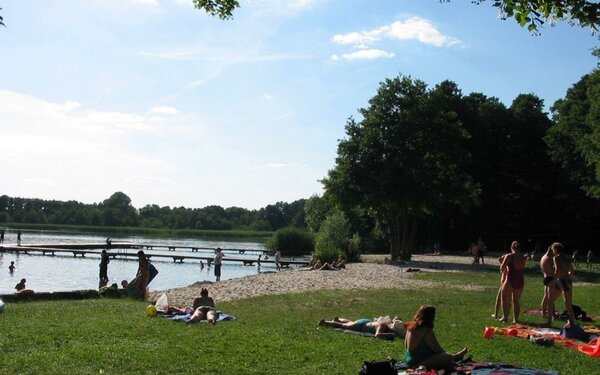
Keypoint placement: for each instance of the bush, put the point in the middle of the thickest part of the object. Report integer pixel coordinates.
(353, 250)
(292, 241)
(334, 231)
(327, 253)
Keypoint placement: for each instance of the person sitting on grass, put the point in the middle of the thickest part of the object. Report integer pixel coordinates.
(422, 347)
(204, 309)
(381, 329)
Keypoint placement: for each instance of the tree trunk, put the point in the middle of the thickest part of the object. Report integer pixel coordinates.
(395, 237)
(409, 233)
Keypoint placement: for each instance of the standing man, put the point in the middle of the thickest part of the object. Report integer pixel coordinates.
(18, 237)
(104, 260)
(590, 254)
(575, 258)
(218, 260)
(1, 235)
(277, 259)
(550, 289)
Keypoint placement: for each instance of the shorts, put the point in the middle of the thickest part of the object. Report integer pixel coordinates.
(564, 284)
(548, 280)
(218, 270)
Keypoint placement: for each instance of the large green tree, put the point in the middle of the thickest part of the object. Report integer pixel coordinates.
(528, 13)
(574, 139)
(404, 160)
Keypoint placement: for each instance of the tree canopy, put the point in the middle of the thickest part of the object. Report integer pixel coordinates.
(404, 159)
(528, 13)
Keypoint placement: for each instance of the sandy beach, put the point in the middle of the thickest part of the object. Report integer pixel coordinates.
(372, 273)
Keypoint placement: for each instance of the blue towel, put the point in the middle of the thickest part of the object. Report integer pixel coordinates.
(185, 317)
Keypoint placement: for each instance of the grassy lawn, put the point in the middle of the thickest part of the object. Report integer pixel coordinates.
(274, 334)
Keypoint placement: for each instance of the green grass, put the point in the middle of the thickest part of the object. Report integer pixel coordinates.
(273, 334)
(259, 236)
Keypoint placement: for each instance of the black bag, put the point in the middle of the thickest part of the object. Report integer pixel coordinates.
(379, 368)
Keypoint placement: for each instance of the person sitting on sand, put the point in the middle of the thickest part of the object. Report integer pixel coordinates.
(323, 266)
(422, 347)
(204, 309)
(381, 329)
(339, 263)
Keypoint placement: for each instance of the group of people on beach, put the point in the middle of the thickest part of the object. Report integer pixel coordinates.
(557, 270)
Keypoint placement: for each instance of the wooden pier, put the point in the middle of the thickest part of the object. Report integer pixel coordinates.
(113, 252)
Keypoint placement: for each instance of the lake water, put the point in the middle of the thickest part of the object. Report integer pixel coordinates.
(46, 273)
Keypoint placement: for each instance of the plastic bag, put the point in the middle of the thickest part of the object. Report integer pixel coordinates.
(162, 304)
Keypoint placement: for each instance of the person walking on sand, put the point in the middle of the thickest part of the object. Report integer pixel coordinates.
(18, 237)
(218, 261)
(104, 260)
(512, 289)
(277, 258)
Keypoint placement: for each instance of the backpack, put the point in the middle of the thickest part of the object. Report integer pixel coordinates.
(386, 367)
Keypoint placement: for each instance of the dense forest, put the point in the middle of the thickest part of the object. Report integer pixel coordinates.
(419, 166)
(117, 211)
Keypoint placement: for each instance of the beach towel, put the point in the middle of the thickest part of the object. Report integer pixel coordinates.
(470, 367)
(222, 317)
(525, 332)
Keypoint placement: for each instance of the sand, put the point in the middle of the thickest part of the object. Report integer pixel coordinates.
(372, 273)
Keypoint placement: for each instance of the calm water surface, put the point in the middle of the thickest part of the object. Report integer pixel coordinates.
(46, 273)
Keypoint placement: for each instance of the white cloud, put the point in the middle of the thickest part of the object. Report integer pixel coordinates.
(365, 54)
(153, 3)
(165, 110)
(185, 2)
(414, 28)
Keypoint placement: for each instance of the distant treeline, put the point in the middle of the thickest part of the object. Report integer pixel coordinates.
(117, 211)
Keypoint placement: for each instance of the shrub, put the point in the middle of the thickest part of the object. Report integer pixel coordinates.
(292, 241)
(334, 231)
(353, 249)
(327, 253)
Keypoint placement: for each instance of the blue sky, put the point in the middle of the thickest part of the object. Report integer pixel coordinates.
(175, 107)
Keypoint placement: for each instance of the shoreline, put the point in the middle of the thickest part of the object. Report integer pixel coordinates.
(370, 274)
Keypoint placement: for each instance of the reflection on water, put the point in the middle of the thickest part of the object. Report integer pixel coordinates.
(46, 273)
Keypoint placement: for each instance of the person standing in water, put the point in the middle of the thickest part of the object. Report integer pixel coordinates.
(218, 260)
(104, 260)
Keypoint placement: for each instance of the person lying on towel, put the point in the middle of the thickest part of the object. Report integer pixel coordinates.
(381, 329)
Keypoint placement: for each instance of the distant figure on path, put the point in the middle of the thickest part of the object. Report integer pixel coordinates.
(575, 258)
(277, 259)
(104, 260)
(590, 255)
(18, 237)
(1, 235)
(218, 260)
(481, 249)
(11, 268)
(108, 242)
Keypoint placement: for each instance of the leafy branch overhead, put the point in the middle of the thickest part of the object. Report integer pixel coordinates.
(528, 13)
(222, 8)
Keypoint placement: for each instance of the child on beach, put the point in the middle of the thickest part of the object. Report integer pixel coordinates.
(11, 268)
